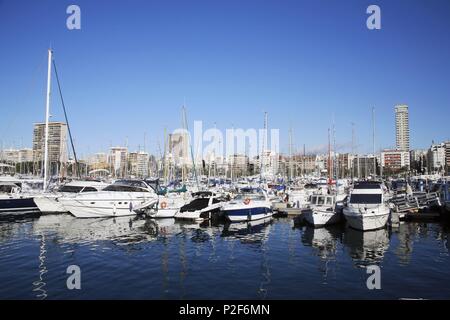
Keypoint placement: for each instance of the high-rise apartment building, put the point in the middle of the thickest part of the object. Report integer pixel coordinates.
(402, 127)
(57, 142)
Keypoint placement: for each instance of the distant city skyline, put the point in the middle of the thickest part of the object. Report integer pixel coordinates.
(126, 74)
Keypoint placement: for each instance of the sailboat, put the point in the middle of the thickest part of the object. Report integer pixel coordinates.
(11, 198)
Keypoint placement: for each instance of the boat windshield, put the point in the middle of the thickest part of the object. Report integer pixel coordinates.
(7, 188)
(365, 198)
(127, 186)
(321, 201)
(251, 196)
(70, 189)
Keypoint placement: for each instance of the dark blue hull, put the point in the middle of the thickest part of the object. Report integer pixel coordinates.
(246, 212)
(17, 205)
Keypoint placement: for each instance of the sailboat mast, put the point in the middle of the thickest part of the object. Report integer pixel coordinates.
(290, 153)
(47, 115)
(329, 157)
(373, 141)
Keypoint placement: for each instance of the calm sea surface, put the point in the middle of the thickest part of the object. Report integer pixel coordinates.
(146, 259)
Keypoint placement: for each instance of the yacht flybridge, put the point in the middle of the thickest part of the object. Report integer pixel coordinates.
(122, 198)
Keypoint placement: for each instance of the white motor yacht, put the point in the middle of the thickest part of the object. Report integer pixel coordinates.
(50, 202)
(122, 198)
(367, 208)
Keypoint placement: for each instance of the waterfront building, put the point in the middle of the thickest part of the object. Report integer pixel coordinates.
(305, 164)
(178, 146)
(10, 156)
(57, 142)
(138, 164)
(394, 161)
(436, 158)
(270, 163)
(118, 157)
(238, 165)
(25, 155)
(418, 161)
(402, 127)
(57, 146)
(447, 158)
(364, 166)
(344, 165)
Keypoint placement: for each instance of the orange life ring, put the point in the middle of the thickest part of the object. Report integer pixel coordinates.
(247, 201)
(163, 205)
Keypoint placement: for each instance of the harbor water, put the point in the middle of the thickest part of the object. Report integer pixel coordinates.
(137, 258)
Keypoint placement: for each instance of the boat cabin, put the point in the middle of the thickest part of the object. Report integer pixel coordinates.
(322, 200)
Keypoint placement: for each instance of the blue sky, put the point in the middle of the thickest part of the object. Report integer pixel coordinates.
(133, 63)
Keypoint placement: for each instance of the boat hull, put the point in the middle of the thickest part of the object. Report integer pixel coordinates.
(321, 218)
(17, 205)
(101, 204)
(163, 213)
(367, 219)
(247, 214)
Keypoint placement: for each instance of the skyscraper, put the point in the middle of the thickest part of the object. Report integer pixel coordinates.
(402, 127)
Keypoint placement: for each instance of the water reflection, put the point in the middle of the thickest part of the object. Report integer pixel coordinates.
(39, 285)
(366, 247)
(248, 232)
(324, 240)
(123, 230)
(184, 259)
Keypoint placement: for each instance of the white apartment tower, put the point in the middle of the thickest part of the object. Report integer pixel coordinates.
(402, 127)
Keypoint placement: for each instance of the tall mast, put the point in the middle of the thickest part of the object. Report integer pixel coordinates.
(47, 114)
(192, 148)
(329, 157)
(373, 141)
(304, 159)
(263, 144)
(335, 163)
(290, 153)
